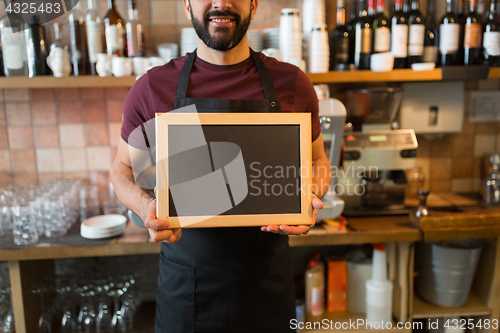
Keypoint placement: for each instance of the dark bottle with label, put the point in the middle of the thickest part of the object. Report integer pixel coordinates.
(431, 41)
(449, 37)
(114, 32)
(339, 41)
(416, 34)
(473, 33)
(399, 35)
(351, 29)
(36, 48)
(364, 37)
(78, 41)
(491, 37)
(381, 30)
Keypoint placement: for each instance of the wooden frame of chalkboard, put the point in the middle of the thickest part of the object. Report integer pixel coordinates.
(299, 123)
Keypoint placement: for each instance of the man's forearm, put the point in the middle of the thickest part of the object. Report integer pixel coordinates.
(322, 176)
(131, 195)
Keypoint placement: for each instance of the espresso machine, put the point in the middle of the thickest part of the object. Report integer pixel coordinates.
(372, 180)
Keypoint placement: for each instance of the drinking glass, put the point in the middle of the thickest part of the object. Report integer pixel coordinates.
(89, 202)
(55, 225)
(25, 230)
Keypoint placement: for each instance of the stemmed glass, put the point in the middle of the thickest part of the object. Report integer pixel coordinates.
(87, 315)
(104, 316)
(7, 326)
(44, 322)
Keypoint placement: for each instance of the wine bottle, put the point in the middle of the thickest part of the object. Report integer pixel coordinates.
(94, 34)
(339, 41)
(15, 58)
(449, 37)
(491, 37)
(473, 50)
(381, 30)
(351, 28)
(135, 35)
(481, 10)
(371, 8)
(416, 34)
(461, 24)
(364, 37)
(399, 35)
(431, 47)
(78, 40)
(36, 49)
(114, 31)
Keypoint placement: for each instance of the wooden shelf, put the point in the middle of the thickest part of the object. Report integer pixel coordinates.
(330, 318)
(396, 75)
(473, 307)
(494, 73)
(85, 81)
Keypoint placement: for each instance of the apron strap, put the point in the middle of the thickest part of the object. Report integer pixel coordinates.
(265, 80)
(184, 77)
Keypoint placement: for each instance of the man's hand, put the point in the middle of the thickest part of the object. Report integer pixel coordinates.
(158, 229)
(296, 229)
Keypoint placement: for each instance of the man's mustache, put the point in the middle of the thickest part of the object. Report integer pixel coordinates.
(216, 12)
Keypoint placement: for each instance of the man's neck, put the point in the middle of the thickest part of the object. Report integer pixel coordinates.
(237, 54)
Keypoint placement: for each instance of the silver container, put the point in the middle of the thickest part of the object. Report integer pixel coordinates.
(446, 270)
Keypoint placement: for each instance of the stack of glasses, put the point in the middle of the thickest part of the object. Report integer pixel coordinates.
(319, 50)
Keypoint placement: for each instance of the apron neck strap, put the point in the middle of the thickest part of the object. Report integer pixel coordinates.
(265, 80)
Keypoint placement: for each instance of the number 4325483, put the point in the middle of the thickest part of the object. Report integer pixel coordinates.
(33, 8)
(471, 323)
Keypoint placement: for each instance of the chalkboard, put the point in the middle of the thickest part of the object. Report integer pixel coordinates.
(217, 170)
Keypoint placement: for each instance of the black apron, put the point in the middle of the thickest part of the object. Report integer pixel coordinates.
(226, 279)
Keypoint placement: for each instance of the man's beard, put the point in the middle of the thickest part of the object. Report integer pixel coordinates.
(227, 41)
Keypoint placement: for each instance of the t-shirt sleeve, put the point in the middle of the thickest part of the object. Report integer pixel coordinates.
(306, 100)
(138, 106)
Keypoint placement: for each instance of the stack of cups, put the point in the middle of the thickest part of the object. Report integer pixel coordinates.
(313, 12)
(271, 38)
(290, 34)
(319, 50)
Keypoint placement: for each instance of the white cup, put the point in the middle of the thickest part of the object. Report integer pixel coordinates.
(156, 61)
(140, 65)
(381, 62)
(168, 50)
(120, 66)
(101, 65)
(58, 61)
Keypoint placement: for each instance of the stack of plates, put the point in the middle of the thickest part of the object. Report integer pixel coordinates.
(189, 40)
(103, 226)
(271, 38)
(255, 40)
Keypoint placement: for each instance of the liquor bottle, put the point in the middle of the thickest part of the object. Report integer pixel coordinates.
(381, 30)
(481, 10)
(364, 37)
(15, 57)
(94, 34)
(135, 35)
(449, 37)
(473, 50)
(399, 35)
(491, 37)
(339, 41)
(351, 28)
(416, 34)
(78, 40)
(431, 46)
(315, 289)
(2, 72)
(371, 8)
(461, 23)
(36, 48)
(114, 31)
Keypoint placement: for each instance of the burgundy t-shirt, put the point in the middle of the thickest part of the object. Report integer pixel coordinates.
(155, 91)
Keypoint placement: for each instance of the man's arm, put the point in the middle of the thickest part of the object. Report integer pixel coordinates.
(137, 199)
(320, 182)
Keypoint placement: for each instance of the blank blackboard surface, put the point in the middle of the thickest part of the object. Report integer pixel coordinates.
(272, 169)
(275, 154)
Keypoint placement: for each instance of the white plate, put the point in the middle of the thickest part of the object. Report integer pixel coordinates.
(106, 235)
(423, 66)
(104, 222)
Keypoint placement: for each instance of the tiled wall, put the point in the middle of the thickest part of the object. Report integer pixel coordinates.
(54, 133)
(455, 161)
